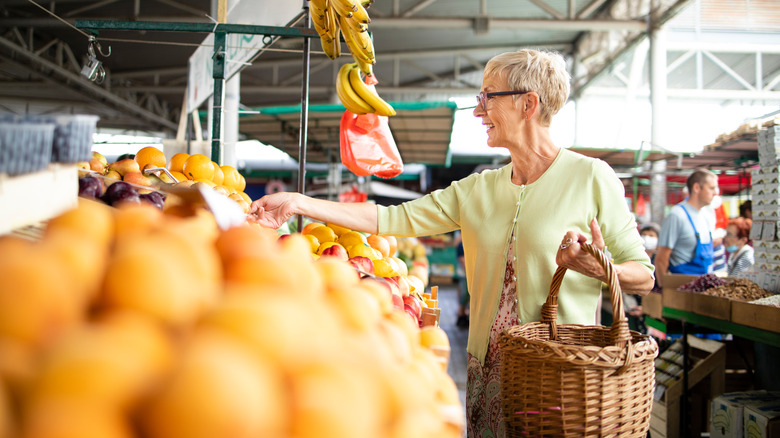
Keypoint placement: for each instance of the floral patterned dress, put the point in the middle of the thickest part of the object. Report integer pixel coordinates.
(483, 401)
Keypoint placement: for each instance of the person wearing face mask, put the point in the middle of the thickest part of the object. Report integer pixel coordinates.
(649, 233)
(741, 255)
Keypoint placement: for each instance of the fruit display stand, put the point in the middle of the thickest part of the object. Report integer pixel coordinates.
(708, 361)
(34, 197)
(432, 312)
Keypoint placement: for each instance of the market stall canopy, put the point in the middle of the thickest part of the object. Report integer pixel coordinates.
(421, 130)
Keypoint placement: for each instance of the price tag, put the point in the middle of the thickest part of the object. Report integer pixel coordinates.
(755, 230)
(768, 231)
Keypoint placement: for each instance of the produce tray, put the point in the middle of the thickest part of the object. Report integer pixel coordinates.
(756, 315)
(712, 306)
(34, 197)
(677, 299)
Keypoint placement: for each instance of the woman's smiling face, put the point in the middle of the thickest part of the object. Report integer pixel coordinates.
(502, 115)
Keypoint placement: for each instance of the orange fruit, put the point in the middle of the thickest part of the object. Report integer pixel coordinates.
(179, 176)
(241, 183)
(315, 244)
(219, 176)
(198, 167)
(90, 220)
(393, 244)
(150, 155)
(231, 177)
(323, 234)
(310, 226)
(338, 229)
(379, 243)
(177, 162)
(219, 390)
(351, 238)
(245, 196)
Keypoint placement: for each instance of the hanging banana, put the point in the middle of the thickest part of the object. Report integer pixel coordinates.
(345, 8)
(362, 50)
(368, 93)
(349, 98)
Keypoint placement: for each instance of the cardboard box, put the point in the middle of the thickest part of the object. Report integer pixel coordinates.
(756, 315)
(674, 298)
(652, 305)
(712, 306)
(726, 412)
(762, 420)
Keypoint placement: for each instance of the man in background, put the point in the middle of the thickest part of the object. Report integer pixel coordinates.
(685, 242)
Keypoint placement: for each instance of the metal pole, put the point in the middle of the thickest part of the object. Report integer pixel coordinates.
(658, 132)
(219, 96)
(304, 126)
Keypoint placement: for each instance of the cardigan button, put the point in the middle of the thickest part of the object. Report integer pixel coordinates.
(514, 278)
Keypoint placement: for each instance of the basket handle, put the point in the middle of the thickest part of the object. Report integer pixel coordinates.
(619, 332)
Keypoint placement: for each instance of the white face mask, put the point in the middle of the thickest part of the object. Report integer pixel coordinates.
(651, 242)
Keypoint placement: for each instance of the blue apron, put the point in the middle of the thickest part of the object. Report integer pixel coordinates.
(702, 258)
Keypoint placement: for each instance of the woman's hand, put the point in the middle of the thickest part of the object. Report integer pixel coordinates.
(571, 255)
(272, 211)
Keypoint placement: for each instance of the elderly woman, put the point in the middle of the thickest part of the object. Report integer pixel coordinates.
(511, 220)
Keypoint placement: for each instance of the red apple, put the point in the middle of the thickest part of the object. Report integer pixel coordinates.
(336, 251)
(398, 302)
(414, 304)
(393, 285)
(362, 263)
(403, 285)
(409, 311)
(283, 237)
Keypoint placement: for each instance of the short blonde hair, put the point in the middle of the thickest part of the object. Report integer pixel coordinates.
(539, 71)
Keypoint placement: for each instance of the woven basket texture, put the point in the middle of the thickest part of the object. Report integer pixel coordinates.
(572, 380)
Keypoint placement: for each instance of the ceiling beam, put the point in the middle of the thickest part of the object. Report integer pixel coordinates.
(53, 73)
(509, 23)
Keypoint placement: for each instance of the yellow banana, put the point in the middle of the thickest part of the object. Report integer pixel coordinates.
(345, 8)
(365, 67)
(360, 14)
(336, 44)
(356, 25)
(354, 47)
(368, 94)
(363, 39)
(317, 12)
(349, 98)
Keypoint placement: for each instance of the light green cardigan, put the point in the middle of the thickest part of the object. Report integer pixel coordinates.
(487, 208)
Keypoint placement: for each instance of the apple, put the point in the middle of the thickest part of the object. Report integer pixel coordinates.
(398, 302)
(363, 264)
(393, 285)
(125, 166)
(403, 285)
(409, 311)
(413, 303)
(337, 251)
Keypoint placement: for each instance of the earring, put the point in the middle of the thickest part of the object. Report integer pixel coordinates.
(526, 116)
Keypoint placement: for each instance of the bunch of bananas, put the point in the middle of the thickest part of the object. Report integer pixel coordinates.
(333, 18)
(357, 96)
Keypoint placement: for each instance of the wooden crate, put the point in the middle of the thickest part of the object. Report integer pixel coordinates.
(652, 305)
(674, 298)
(712, 306)
(709, 362)
(34, 197)
(756, 315)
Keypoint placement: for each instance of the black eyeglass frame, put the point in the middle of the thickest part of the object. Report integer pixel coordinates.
(482, 97)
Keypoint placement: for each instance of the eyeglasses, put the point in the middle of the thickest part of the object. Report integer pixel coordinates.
(482, 97)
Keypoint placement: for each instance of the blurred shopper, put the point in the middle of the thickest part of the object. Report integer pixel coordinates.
(685, 242)
(511, 220)
(746, 209)
(649, 233)
(741, 254)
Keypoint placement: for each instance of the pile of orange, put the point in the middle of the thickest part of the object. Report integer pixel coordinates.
(197, 169)
(130, 322)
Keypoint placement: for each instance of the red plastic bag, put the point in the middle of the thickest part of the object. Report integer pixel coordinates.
(367, 146)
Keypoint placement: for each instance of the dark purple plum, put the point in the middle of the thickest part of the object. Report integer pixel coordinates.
(130, 196)
(119, 191)
(154, 198)
(90, 187)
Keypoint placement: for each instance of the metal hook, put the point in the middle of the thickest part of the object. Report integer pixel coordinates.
(94, 43)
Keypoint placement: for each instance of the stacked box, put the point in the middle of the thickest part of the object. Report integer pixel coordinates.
(729, 412)
(765, 196)
(762, 420)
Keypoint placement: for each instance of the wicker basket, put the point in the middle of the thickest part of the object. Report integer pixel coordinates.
(571, 380)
